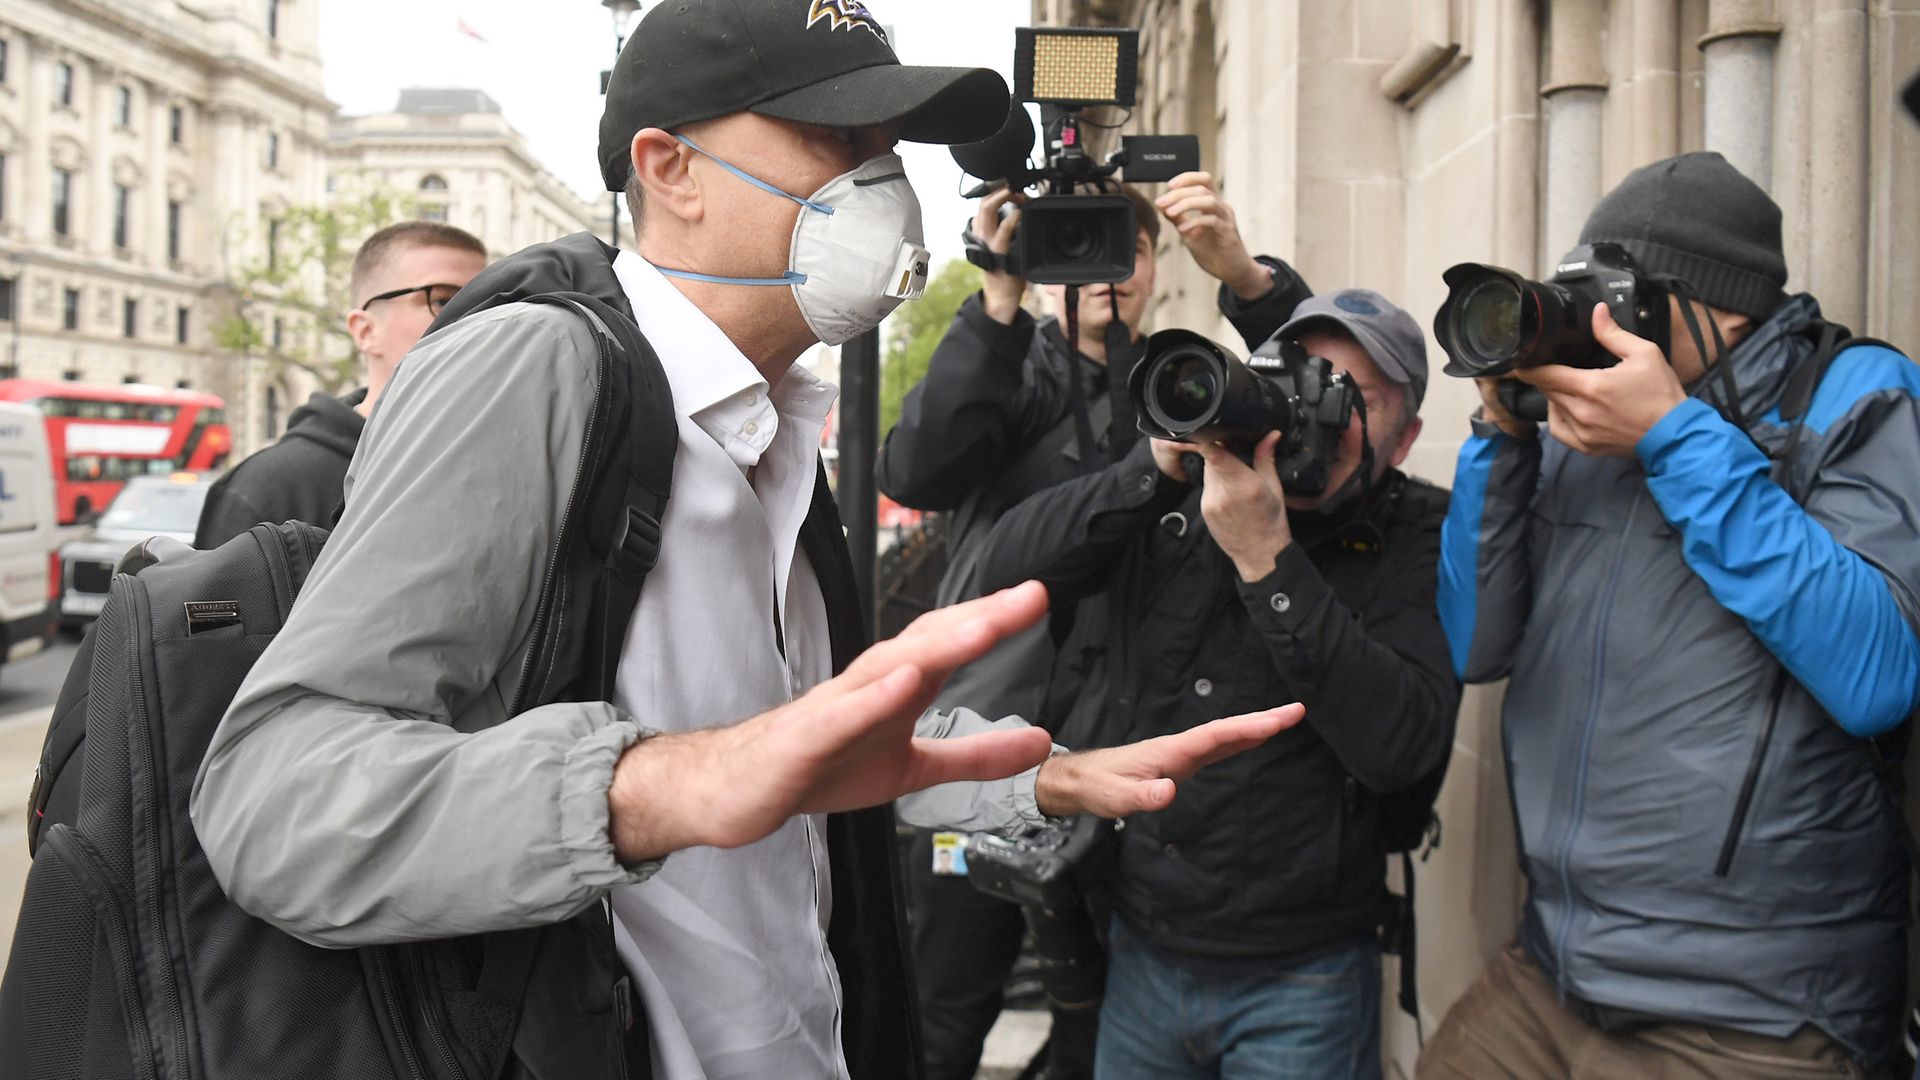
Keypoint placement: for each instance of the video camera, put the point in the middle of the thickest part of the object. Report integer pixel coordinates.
(1188, 389)
(1495, 321)
(1066, 238)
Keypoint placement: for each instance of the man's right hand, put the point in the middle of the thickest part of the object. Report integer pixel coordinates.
(1000, 292)
(1497, 414)
(847, 744)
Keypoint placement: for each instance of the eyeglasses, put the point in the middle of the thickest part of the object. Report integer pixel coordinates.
(435, 299)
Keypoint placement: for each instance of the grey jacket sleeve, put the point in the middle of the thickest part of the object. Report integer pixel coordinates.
(363, 787)
(999, 806)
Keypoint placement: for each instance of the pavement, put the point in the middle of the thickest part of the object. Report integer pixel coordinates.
(27, 691)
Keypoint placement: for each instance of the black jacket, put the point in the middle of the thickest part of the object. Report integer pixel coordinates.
(298, 478)
(991, 424)
(1275, 852)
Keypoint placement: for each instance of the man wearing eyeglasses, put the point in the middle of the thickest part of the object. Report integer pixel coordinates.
(401, 278)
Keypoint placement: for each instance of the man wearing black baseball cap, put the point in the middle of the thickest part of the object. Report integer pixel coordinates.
(1246, 938)
(756, 138)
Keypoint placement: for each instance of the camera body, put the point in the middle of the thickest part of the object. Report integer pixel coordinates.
(1066, 237)
(1189, 389)
(1495, 322)
(1035, 870)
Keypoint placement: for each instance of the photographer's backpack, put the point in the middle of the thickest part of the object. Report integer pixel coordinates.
(129, 961)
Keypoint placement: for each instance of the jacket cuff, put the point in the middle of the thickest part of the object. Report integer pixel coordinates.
(1656, 448)
(585, 825)
(1287, 604)
(1010, 343)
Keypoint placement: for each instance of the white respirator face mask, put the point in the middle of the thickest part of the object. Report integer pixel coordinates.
(857, 248)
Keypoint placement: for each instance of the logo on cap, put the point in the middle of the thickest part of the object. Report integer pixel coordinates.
(1359, 305)
(844, 13)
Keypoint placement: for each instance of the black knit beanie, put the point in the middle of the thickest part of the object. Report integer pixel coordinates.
(1696, 217)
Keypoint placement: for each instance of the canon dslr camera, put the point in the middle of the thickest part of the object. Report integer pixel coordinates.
(1495, 321)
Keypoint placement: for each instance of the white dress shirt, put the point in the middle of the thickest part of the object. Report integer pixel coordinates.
(729, 948)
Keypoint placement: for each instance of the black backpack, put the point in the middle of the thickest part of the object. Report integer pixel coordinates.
(129, 961)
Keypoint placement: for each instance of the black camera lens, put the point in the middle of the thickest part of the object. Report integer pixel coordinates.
(1490, 319)
(1184, 387)
(1072, 240)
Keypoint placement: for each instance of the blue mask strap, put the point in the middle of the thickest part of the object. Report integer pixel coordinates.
(754, 180)
(791, 277)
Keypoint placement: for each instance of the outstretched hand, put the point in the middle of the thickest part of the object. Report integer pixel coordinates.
(1142, 776)
(846, 744)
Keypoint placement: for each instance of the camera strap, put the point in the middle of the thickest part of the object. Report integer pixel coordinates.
(1721, 365)
(1090, 459)
(1123, 430)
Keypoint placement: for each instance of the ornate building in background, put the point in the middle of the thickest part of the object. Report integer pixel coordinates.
(148, 153)
(453, 157)
(1376, 142)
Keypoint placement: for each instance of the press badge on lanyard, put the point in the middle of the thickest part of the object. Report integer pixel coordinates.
(950, 854)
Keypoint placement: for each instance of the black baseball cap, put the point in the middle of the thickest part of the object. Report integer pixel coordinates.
(823, 62)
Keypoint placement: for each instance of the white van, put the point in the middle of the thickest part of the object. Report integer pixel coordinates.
(29, 533)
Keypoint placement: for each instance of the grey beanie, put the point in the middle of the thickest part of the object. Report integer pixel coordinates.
(1698, 218)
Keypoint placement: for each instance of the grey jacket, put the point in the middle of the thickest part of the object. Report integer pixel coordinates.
(1648, 611)
(363, 788)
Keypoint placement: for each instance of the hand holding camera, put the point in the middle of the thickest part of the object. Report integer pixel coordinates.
(1604, 412)
(1245, 506)
(1207, 226)
(994, 223)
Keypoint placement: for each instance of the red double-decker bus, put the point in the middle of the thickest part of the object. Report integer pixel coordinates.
(102, 435)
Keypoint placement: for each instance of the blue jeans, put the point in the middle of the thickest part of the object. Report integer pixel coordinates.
(1316, 1020)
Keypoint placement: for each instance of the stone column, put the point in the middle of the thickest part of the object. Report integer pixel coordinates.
(36, 160)
(97, 204)
(1837, 156)
(153, 199)
(1576, 99)
(1738, 46)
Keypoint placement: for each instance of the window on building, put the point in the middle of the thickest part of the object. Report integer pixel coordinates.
(62, 202)
(3, 60)
(273, 19)
(182, 322)
(177, 126)
(273, 244)
(273, 413)
(273, 149)
(433, 182)
(129, 317)
(63, 84)
(3, 187)
(7, 312)
(122, 211)
(70, 308)
(279, 332)
(174, 212)
(71, 375)
(123, 106)
(433, 212)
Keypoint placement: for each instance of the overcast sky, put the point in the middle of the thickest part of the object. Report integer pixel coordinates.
(541, 61)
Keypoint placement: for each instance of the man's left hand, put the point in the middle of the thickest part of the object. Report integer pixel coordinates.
(1245, 508)
(1141, 776)
(1207, 226)
(1605, 412)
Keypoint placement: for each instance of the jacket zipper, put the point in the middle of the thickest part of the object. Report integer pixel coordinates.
(390, 998)
(536, 644)
(157, 796)
(432, 1020)
(1586, 747)
(80, 856)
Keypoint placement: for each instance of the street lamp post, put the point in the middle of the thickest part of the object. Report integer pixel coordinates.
(623, 12)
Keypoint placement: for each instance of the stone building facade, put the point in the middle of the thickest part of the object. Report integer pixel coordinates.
(147, 152)
(453, 157)
(1376, 142)
(144, 148)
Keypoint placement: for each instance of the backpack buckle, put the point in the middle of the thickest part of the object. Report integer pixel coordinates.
(637, 547)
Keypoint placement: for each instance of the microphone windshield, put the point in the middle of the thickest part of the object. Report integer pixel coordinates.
(1002, 155)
